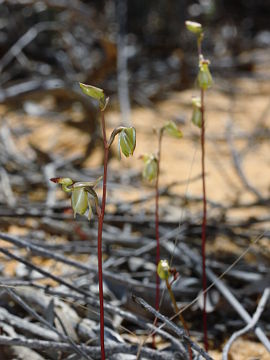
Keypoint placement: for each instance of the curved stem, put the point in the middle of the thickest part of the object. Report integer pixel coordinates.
(100, 227)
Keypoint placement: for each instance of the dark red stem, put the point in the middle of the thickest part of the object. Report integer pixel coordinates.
(160, 133)
(204, 222)
(100, 227)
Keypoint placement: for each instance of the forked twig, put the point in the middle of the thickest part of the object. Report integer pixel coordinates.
(249, 326)
(177, 330)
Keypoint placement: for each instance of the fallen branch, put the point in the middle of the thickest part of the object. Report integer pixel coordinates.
(249, 326)
(177, 330)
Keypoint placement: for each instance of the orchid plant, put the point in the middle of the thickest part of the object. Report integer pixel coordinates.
(83, 194)
(151, 173)
(204, 81)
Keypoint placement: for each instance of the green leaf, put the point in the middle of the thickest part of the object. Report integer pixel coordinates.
(171, 129)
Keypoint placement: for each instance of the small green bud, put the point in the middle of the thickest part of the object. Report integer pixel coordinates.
(127, 141)
(62, 181)
(65, 182)
(205, 80)
(197, 112)
(194, 27)
(150, 167)
(95, 93)
(171, 129)
(163, 269)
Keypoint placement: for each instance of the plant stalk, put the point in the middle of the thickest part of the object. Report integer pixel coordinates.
(204, 220)
(160, 133)
(177, 311)
(100, 228)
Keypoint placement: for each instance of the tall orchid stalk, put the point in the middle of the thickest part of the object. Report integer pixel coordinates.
(151, 172)
(204, 80)
(83, 193)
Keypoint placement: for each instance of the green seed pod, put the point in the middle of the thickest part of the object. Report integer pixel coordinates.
(95, 93)
(194, 27)
(79, 201)
(127, 141)
(205, 80)
(171, 129)
(150, 167)
(163, 269)
(197, 112)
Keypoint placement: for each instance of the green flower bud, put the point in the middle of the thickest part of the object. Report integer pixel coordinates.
(65, 182)
(127, 141)
(194, 27)
(163, 269)
(171, 129)
(204, 77)
(95, 93)
(197, 112)
(150, 167)
(62, 181)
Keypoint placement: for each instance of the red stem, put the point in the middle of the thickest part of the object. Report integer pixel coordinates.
(100, 227)
(204, 222)
(160, 133)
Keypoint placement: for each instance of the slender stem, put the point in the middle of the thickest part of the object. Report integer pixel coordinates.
(160, 133)
(177, 311)
(204, 220)
(204, 279)
(100, 227)
(157, 217)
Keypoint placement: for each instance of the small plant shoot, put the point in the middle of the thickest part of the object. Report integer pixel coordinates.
(164, 271)
(150, 173)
